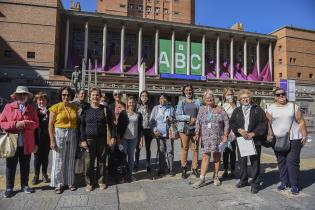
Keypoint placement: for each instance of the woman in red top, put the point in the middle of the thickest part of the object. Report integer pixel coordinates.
(21, 118)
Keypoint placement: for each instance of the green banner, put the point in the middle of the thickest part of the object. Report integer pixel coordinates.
(165, 61)
(180, 57)
(196, 58)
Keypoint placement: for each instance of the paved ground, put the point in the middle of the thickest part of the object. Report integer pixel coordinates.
(175, 193)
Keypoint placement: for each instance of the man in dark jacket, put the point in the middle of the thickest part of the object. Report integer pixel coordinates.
(249, 121)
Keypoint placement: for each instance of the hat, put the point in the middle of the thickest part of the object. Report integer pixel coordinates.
(21, 89)
(117, 92)
(76, 67)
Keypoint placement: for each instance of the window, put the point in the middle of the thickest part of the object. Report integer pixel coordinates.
(176, 13)
(130, 6)
(290, 60)
(311, 76)
(280, 75)
(280, 61)
(30, 54)
(279, 47)
(299, 74)
(165, 11)
(157, 1)
(122, 5)
(294, 60)
(140, 8)
(7, 53)
(148, 9)
(148, 1)
(157, 10)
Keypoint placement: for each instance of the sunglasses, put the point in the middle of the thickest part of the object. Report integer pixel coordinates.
(119, 94)
(280, 94)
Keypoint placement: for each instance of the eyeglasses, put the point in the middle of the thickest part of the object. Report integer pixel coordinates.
(65, 95)
(280, 94)
(244, 98)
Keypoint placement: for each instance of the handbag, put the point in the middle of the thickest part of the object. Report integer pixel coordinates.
(173, 133)
(189, 130)
(8, 144)
(282, 143)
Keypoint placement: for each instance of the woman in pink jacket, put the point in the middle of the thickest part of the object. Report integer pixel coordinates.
(21, 118)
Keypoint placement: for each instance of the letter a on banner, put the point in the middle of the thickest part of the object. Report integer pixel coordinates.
(165, 56)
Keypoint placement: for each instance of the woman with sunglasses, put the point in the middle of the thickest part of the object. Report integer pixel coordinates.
(281, 115)
(249, 121)
(62, 127)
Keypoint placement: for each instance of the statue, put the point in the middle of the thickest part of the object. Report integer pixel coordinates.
(76, 78)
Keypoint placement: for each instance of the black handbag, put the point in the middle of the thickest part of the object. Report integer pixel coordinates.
(282, 143)
(189, 130)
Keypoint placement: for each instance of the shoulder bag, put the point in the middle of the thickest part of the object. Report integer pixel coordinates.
(8, 144)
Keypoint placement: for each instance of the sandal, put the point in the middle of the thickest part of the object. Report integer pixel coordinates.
(58, 190)
(72, 188)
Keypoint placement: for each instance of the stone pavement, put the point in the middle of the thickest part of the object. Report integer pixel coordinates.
(173, 192)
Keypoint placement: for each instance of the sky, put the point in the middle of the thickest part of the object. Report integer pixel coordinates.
(261, 16)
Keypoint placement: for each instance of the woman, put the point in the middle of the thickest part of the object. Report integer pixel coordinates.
(63, 119)
(21, 118)
(281, 115)
(93, 138)
(186, 114)
(41, 138)
(129, 129)
(144, 109)
(212, 128)
(249, 121)
(229, 153)
(161, 117)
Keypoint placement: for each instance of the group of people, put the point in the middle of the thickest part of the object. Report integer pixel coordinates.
(73, 125)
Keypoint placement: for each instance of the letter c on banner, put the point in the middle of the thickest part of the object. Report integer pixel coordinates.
(198, 66)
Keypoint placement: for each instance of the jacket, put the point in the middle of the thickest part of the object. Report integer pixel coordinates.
(159, 117)
(9, 117)
(257, 123)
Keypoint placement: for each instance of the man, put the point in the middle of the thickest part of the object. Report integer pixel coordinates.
(76, 78)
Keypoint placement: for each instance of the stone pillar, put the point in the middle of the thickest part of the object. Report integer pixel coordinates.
(156, 53)
(188, 54)
(218, 58)
(173, 53)
(86, 42)
(232, 58)
(245, 57)
(203, 65)
(258, 56)
(270, 58)
(122, 48)
(66, 44)
(139, 48)
(104, 46)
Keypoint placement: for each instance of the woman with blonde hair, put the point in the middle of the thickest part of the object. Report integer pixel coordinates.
(212, 128)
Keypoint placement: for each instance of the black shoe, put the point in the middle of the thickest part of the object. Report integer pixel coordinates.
(184, 172)
(28, 190)
(161, 172)
(45, 178)
(148, 169)
(195, 173)
(172, 174)
(241, 185)
(232, 175)
(8, 193)
(254, 189)
(225, 174)
(35, 180)
(135, 167)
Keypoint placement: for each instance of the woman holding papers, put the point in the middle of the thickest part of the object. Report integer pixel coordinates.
(249, 121)
(212, 127)
(283, 115)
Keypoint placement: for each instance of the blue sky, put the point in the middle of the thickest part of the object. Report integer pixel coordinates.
(261, 16)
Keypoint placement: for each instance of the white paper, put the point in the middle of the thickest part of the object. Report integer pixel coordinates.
(246, 147)
(222, 146)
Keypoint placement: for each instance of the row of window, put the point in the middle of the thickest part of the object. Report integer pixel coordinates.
(299, 75)
(9, 54)
(292, 60)
(148, 9)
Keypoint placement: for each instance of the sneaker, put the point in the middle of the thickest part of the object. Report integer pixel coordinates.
(148, 169)
(27, 189)
(8, 193)
(225, 174)
(199, 183)
(295, 190)
(45, 178)
(195, 173)
(131, 179)
(184, 172)
(35, 180)
(216, 181)
(241, 185)
(172, 174)
(282, 187)
(88, 188)
(102, 186)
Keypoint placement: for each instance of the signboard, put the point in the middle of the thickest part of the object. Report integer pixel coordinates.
(182, 76)
(289, 87)
(181, 61)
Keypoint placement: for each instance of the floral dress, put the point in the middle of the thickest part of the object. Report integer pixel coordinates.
(211, 124)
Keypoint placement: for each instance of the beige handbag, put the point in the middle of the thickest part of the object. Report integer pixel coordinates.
(8, 144)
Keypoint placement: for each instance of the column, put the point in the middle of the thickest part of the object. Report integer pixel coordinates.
(67, 44)
(218, 58)
(156, 53)
(203, 65)
(122, 48)
(232, 58)
(139, 48)
(245, 57)
(270, 58)
(258, 56)
(173, 53)
(104, 46)
(188, 54)
(86, 42)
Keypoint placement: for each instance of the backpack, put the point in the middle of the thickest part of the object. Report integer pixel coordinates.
(117, 164)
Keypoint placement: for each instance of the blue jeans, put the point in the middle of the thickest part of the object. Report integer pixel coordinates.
(129, 149)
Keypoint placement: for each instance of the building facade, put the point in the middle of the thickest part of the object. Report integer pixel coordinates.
(182, 11)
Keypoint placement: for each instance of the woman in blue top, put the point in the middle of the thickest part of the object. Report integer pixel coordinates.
(186, 114)
(160, 119)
